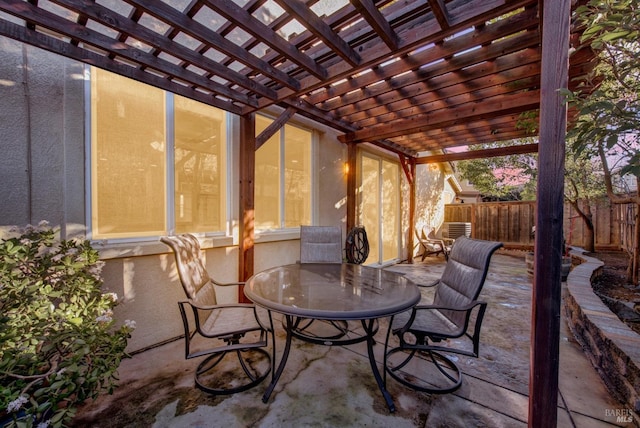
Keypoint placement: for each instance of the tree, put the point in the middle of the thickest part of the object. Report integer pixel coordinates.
(514, 177)
(510, 177)
(582, 186)
(608, 118)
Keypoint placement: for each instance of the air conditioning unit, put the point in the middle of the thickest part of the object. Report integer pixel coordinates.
(454, 229)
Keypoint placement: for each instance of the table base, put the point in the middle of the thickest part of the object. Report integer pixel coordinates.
(370, 327)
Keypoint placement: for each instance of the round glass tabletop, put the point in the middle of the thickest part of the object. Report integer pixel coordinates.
(332, 291)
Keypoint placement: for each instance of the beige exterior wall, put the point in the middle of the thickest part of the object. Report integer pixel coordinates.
(433, 191)
(42, 137)
(43, 170)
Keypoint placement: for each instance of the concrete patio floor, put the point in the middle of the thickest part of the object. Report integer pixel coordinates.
(324, 386)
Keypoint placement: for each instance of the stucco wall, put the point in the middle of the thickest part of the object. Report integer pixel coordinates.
(42, 137)
(42, 171)
(149, 289)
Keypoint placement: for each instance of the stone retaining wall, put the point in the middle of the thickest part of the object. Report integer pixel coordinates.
(611, 346)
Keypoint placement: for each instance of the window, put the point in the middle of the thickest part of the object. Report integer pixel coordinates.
(200, 167)
(158, 161)
(283, 178)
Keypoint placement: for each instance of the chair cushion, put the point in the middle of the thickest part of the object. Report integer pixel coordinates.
(430, 322)
(193, 274)
(320, 244)
(229, 320)
(464, 275)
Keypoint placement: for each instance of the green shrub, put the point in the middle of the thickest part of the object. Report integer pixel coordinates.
(58, 344)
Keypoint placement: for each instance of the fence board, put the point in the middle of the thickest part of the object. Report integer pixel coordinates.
(514, 225)
(503, 225)
(605, 223)
(626, 213)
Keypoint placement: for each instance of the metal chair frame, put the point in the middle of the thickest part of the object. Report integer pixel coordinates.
(423, 331)
(210, 322)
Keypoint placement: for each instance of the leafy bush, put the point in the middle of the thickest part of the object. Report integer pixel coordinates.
(58, 344)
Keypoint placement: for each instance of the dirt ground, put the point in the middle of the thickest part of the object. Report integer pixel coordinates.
(614, 289)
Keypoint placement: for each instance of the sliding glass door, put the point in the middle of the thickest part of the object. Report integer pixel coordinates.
(380, 207)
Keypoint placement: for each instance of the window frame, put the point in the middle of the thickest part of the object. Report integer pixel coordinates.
(282, 232)
(210, 238)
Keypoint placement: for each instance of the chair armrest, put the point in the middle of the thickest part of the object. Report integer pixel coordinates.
(224, 284)
(429, 284)
(414, 311)
(214, 307)
(435, 240)
(465, 308)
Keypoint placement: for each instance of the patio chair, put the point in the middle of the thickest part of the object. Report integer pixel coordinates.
(323, 244)
(218, 330)
(449, 324)
(430, 244)
(320, 244)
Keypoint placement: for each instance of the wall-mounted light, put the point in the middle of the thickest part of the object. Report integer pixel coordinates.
(346, 168)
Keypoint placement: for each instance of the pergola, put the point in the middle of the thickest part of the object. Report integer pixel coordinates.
(413, 77)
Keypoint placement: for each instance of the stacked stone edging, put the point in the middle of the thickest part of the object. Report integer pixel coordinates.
(611, 346)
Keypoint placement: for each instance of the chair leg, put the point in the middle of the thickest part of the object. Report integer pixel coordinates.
(423, 370)
(212, 377)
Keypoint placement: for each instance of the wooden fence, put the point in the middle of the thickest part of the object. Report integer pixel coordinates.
(512, 222)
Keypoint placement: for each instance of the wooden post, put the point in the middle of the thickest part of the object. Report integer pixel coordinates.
(246, 200)
(412, 210)
(545, 314)
(352, 159)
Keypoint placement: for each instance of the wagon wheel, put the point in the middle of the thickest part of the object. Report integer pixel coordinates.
(357, 246)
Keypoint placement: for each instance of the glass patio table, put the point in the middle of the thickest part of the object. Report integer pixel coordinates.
(332, 292)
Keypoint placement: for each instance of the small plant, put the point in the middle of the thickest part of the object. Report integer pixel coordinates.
(58, 344)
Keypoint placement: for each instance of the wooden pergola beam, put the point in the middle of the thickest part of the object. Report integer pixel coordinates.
(469, 139)
(507, 104)
(378, 22)
(371, 83)
(439, 10)
(274, 126)
(248, 23)
(512, 72)
(323, 31)
(462, 130)
(479, 154)
(198, 31)
(450, 98)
